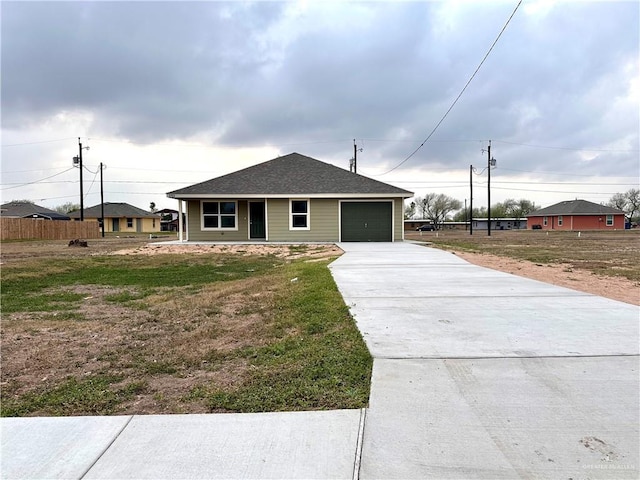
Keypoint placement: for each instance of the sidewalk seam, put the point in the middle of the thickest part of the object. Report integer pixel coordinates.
(356, 463)
(510, 357)
(107, 447)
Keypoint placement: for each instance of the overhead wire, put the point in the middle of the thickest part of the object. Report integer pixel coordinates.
(35, 143)
(38, 181)
(459, 95)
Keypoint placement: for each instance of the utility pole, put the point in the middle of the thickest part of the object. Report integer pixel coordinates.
(470, 199)
(78, 160)
(81, 192)
(101, 201)
(491, 162)
(466, 213)
(355, 157)
(489, 189)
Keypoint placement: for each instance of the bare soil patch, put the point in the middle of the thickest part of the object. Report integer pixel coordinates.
(288, 252)
(605, 263)
(564, 275)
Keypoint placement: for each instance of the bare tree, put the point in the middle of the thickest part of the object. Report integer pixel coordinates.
(436, 207)
(523, 208)
(628, 202)
(409, 210)
(67, 207)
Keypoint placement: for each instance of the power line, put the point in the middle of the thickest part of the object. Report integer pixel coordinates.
(553, 191)
(38, 181)
(565, 174)
(461, 92)
(35, 143)
(569, 148)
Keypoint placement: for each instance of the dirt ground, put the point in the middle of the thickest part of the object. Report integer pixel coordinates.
(616, 288)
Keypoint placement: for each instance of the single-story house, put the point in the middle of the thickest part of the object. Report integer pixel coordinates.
(293, 198)
(577, 215)
(29, 210)
(509, 223)
(121, 217)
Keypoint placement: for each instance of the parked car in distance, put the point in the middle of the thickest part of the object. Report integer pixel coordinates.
(425, 228)
(536, 227)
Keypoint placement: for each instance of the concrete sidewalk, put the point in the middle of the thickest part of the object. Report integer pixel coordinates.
(482, 374)
(477, 374)
(262, 445)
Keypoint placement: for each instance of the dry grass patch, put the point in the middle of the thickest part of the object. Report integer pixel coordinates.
(121, 335)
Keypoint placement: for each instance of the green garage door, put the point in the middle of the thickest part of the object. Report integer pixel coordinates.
(366, 221)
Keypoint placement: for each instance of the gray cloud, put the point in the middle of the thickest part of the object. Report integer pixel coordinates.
(256, 74)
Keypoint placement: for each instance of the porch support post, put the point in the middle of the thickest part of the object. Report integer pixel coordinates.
(180, 225)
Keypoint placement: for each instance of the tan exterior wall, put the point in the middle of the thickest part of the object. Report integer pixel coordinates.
(147, 225)
(323, 215)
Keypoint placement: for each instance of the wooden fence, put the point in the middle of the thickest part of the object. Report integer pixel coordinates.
(40, 229)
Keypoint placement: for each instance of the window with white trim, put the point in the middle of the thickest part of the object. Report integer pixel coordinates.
(129, 222)
(559, 220)
(544, 221)
(299, 215)
(609, 220)
(219, 215)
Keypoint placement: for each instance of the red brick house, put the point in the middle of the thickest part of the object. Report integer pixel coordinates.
(577, 215)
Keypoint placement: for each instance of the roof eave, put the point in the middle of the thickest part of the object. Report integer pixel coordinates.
(194, 196)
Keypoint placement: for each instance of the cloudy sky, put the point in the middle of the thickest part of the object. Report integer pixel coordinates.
(167, 94)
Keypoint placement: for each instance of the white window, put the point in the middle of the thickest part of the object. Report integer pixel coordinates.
(219, 215)
(544, 221)
(299, 215)
(559, 220)
(609, 220)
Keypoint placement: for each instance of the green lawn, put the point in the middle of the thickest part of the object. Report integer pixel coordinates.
(103, 335)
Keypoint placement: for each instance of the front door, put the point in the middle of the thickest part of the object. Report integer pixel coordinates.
(257, 224)
(115, 224)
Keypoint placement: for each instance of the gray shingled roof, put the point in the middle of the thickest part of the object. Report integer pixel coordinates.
(26, 209)
(576, 207)
(114, 210)
(292, 174)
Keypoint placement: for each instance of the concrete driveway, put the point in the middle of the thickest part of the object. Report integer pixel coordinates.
(482, 374)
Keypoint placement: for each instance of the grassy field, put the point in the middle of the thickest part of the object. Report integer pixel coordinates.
(606, 253)
(105, 334)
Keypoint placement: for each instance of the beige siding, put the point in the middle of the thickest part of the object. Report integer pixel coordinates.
(398, 219)
(323, 221)
(196, 234)
(151, 224)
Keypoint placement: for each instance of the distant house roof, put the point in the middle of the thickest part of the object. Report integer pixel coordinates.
(114, 210)
(290, 175)
(29, 210)
(576, 207)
